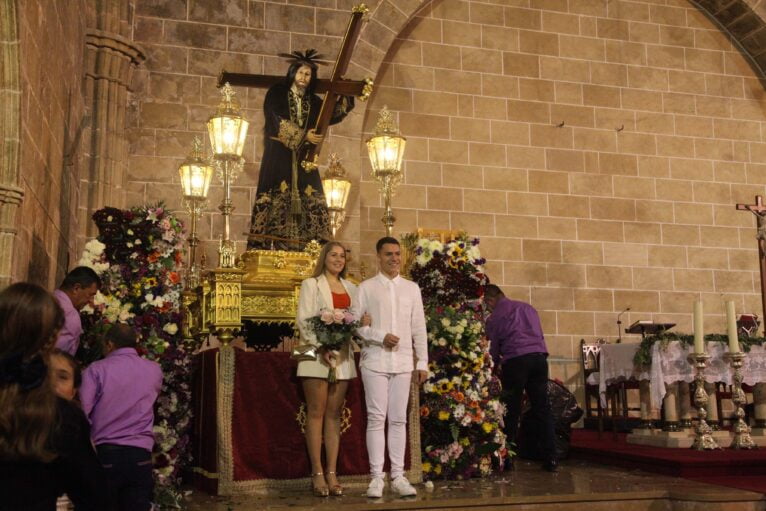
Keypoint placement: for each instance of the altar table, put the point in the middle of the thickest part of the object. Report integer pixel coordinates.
(670, 366)
(247, 434)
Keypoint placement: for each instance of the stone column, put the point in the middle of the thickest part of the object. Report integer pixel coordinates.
(110, 62)
(11, 194)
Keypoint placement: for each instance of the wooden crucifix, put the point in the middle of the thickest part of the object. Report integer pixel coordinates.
(759, 210)
(334, 87)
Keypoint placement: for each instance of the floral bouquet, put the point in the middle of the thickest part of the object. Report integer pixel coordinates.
(333, 328)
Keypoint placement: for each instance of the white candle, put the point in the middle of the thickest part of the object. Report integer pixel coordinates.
(731, 328)
(699, 337)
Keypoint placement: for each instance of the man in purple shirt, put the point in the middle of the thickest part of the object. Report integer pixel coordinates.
(75, 292)
(118, 395)
(518, 350)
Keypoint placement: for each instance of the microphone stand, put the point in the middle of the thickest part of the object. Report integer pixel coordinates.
(619, 325)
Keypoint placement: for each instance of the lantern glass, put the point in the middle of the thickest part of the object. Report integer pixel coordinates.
(386, 153)
(336, 192)
(227, 134)
(195, 179)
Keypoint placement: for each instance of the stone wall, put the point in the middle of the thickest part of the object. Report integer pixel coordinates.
(51, 110)
(598, 149)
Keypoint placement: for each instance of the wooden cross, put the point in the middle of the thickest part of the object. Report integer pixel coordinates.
(759, 210)
(334, 87)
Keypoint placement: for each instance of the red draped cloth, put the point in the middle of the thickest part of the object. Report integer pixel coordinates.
(266, 438)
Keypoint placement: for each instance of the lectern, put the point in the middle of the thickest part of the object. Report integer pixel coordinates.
(647, 327)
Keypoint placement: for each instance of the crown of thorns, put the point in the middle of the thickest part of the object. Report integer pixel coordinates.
(310, 57)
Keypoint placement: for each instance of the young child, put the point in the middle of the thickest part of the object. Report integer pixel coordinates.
(66, 375)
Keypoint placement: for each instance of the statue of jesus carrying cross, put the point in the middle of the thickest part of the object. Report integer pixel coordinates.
(290, 208)
(290, 203)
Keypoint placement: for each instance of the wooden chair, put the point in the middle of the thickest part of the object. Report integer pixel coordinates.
(590, 355)
(589, 360)
(616, 393)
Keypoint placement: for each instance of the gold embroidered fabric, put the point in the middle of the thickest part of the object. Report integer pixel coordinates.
(271, 214)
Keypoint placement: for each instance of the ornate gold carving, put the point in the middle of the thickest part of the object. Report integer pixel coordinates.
(227, 253)
(313, 248)
(302, 269)
(269, 306)
(345, 418)
(366, 89)
(309, 166)
(279, 262)
(224, 308)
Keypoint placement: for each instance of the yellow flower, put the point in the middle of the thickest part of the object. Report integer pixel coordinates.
(487, 427)
(464, 441)
(438, 469)
(426, 467)
(443, 416)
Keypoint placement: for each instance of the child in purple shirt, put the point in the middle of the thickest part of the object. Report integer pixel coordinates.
(118, 395)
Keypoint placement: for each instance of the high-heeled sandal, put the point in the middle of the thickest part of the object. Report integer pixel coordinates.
(319, 491)
(336, 490)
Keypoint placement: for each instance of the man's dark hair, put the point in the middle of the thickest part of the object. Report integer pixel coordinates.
(293, 70)
(385, 241)
(493, 291)
(122, 336)
(81, 275)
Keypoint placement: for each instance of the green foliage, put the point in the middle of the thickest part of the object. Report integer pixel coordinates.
(643, 357)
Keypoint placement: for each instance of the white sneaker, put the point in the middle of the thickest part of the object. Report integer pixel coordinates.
(375, 489)
(403, 487)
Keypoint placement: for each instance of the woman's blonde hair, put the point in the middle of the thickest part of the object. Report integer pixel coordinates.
(320, 266)
(30, 318)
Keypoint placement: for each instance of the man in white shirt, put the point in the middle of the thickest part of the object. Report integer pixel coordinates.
(398, 327)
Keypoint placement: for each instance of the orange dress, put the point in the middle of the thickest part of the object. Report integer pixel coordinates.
(341, 300)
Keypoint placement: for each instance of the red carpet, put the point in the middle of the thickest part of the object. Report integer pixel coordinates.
(750, 483)
(738, 469)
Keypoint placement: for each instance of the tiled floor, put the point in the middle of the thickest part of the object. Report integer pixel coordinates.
(578, 486)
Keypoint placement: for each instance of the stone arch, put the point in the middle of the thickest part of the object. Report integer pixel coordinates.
(11, 194)
(745, 22)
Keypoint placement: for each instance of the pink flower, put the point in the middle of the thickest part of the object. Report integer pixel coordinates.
(338, 315)
(326, 316)
(348, 317)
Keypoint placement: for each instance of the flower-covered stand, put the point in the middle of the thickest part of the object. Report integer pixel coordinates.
(461, 414)
(247, 434)
(138, 255)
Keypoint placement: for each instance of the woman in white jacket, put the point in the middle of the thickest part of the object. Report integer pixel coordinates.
(327, 288)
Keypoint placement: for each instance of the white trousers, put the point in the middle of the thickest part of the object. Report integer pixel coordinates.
(386, 396)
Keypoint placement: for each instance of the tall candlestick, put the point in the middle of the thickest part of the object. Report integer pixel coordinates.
(731, 328)
(699, 337)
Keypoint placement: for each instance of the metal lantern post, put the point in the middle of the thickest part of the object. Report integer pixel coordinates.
(336, 191)
(227, 130)
(386, 149)
(196, 174)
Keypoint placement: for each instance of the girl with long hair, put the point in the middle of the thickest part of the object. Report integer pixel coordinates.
(327, 288)
(45, 447)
